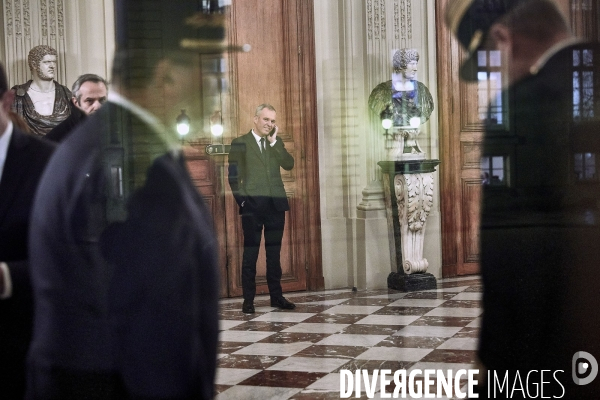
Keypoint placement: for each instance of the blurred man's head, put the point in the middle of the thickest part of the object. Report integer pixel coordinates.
(521, 29)
(42, 62)
(89, 93)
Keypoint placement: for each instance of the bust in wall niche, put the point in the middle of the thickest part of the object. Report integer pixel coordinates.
(42, 102)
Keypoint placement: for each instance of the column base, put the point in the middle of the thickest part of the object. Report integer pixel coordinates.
(412, 282)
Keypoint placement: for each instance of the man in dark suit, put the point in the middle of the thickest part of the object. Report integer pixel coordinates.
(124, 265)
(255, 160)
(540, 231)
(22, 161)
(89, 93)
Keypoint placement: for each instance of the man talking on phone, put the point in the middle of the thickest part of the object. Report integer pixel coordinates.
(255, 163)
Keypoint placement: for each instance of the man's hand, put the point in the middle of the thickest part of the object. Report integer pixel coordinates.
(273, 138)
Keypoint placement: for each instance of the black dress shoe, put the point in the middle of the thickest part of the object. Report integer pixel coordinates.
(282, 302)
(248, 307)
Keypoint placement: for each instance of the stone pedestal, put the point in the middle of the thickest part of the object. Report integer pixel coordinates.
(408, 187)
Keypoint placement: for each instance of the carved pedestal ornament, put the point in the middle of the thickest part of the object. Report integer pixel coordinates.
(414, 198)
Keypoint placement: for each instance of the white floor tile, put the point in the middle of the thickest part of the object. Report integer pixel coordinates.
(460, 344)
(387, 296)
(454, 367)
(417, 303)
(225, 324)
(330, 382)
(456, 289)
(274, 349)
(388, 319)
(284, 317)
(316, 328)
(352, 340)
(243, 336)
(352, 309)
(454, 312)
(233, 376)
(257, 393)
(332, 302)
(428, 331)
(468, 296)
(394, 354)
(476, 323)
(309, 364)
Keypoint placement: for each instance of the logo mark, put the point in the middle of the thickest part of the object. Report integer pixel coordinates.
(583, 363)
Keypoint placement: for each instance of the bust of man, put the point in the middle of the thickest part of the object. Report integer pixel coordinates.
(408, 98)
(42, 102)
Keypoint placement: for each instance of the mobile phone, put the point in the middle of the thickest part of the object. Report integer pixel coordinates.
(272, 131)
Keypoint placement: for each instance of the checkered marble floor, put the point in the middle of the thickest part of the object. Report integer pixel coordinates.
(277, 354)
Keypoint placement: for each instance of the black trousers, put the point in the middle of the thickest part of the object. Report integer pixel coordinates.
(253, 222)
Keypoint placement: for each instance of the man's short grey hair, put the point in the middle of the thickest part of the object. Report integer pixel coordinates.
(262, 107)
(83, 79)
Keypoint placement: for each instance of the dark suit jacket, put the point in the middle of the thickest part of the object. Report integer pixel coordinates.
(256, 180)
(62, 130)
(26, 159)
(540, 234)
(131, 291)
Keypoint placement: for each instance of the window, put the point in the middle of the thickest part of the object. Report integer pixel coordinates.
(583, 84)
(489, 90)
(585, 167)
(493, 171)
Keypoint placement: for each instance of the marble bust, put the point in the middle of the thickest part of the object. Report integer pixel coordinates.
(42, 102)
(403, 94)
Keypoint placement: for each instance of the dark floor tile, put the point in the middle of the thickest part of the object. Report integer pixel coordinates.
(312, 395)
(292, 379)
(221, 388)
(264, 326)
(372, 329)
(332, 351)
(403, 311)
(231, 347)
(307, 308)
(467, 333)
(462, 304)
(450, 356)
(293, 337)
(248, 361)
(324, 395)
(237, 315)
(430, 295)
(371, 365)
(412, 342)
(469, 282)
(441, 321)
(334, 318)
(475, 288)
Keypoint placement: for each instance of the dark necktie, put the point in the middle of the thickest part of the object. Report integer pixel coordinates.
(263, 150)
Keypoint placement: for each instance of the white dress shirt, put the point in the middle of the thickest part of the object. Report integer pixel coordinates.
(6, 291)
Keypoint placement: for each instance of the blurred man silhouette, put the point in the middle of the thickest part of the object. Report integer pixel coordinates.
(124, 264)
(539, 233)
(22, 161)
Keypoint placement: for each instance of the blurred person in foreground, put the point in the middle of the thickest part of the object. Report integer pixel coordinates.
(89, 91)
(124, 264)
(22, 161)
(540, 233)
